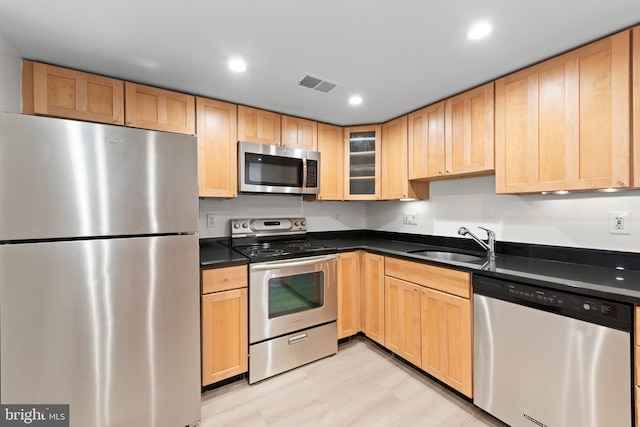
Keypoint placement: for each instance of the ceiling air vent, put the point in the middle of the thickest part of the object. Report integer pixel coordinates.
(316, 83)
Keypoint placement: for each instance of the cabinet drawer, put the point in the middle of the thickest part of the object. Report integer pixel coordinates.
(224, 279)
(442, 279)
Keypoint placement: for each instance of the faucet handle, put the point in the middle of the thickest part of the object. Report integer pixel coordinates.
(490, 233)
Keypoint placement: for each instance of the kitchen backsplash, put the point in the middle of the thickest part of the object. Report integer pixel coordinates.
(576, 220)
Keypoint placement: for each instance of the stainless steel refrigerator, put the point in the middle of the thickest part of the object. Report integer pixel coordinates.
(99, 282)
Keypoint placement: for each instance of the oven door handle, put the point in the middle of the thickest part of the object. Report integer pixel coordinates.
(286, 263)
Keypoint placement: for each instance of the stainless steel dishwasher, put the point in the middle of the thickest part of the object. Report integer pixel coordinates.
(546, 358)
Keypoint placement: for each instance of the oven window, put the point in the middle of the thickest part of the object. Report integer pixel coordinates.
(292, 294)
(262, 169)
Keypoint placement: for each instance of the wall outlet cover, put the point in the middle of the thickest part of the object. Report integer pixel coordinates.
(619, 223)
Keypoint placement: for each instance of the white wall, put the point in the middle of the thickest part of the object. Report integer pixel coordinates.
(321, 216)
(10, 77)
(579, 219)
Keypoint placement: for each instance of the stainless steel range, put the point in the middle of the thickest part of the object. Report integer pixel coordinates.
(292, 294)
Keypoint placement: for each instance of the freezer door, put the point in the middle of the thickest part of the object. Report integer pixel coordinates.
(110, 327)
(63, 178)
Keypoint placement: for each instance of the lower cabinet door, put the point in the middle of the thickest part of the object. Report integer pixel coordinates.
(446, 339)
(224, 335)
(402, 319)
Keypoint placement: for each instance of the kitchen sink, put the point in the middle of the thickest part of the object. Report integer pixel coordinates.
(445, 255)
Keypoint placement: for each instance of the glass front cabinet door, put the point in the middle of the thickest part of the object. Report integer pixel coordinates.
(362, 155)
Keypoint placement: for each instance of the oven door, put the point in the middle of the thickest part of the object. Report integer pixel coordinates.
(288, 295)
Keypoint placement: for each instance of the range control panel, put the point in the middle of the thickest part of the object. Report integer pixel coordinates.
(269, 226)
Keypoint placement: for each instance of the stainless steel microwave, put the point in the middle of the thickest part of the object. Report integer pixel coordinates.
(266, 168)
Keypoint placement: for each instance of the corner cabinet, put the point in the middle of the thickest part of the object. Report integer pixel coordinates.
(299, 133)
(152, 108)
(225, 333)
(564, 124)
(59, 92)
(217, 148)
(331, 148)
(395, 183)
(259, 126)
(362, 162)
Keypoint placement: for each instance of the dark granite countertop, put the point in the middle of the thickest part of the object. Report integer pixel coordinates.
(214, 254)
(603, 274)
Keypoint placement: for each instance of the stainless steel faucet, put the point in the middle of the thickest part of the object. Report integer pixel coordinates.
(490, 246)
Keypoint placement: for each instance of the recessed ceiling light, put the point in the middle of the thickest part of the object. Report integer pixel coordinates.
(479, 30)
(237, 64)
(355, 100)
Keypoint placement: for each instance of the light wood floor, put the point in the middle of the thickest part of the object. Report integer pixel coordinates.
(360, 386)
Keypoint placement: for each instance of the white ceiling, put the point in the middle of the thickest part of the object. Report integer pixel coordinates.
(398, 55)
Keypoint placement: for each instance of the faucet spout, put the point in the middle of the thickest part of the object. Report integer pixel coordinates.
(489, 246)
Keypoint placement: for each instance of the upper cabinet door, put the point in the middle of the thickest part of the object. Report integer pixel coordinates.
(469, 132)
(60, 92)
(331, 148)
(395, 180)
(362, 158)
(158, 109)
(299, 133)
(636, 104)
(258, 126)
(217, 148)
(564, 124)
(426, 142)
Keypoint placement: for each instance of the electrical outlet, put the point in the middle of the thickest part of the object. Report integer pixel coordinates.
(335, 216)
(410, 218)
(619, 223)
(211, 220)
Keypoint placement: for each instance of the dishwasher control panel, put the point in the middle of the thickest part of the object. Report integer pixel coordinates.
(597, 310)
(558, 299)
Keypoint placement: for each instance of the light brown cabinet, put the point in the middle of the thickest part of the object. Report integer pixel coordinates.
(299, 133)
(426, 142)
(372, 292)
(149, 107)
(433, 302)
(259, 126)
(402, 319)
(59, 92)
(216, 126)
(224, 323)
(348, 294)
(469, 132)
(564, 124)
(636, 104)
(447, 349)
(331, 148)
(395, 184)
(362, 162)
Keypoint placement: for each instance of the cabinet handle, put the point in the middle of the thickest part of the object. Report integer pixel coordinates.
(447, 172)
(620, 182)
(440, 173)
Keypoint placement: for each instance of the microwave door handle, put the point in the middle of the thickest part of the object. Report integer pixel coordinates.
(304, 173)
(292, 263)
